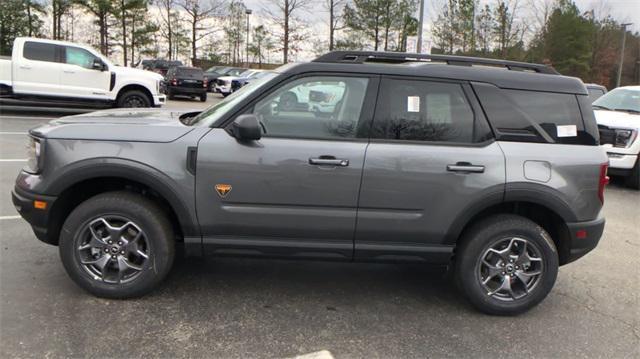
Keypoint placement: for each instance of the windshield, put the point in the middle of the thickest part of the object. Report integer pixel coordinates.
(213, 113)
(620, 99)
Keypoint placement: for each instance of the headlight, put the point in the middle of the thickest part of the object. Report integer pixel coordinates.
(624, 138)
(34, 149)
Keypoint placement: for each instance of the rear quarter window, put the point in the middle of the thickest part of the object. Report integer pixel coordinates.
(534, 116)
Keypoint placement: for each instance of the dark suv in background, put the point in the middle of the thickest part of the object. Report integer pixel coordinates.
(491, 168)
(185, 81)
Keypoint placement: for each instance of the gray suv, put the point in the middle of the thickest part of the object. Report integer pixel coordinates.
(489, 167)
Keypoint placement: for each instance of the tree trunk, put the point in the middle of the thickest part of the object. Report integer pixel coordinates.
(331, 24)
(170, 34)
(133, 38)
(124, 32)
(285, 50)
(193, 41)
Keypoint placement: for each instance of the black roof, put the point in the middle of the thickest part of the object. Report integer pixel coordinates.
(504, 74)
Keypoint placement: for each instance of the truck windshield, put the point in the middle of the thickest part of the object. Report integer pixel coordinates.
(213, 113)
(620, 99)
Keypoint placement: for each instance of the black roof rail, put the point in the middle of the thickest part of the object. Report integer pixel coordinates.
(360, 57)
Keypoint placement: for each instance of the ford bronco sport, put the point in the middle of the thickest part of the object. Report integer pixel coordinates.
(492, 168)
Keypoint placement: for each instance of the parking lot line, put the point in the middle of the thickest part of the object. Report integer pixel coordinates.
(9, 217)
(13, 160)
(13, 133)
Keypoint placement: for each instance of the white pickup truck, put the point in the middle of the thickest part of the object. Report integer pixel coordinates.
(63, 72)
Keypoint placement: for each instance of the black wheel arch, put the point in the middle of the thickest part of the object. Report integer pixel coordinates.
(536, 202)
(84, 179)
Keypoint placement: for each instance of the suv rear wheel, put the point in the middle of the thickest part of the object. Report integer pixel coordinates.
(117, 245)
(506, 264)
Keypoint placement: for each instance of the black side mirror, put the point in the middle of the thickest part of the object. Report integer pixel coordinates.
(98, 65)
(247, 127)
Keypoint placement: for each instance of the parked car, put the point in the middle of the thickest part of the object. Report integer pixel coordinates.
(227, 85)
(618, 117)
(162, 66)
(214, 72)
(595, 91)
(63, 72)
(496, 174)
(185, 81)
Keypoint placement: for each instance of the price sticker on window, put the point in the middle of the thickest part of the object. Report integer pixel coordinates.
(413, 104)
(567, 131)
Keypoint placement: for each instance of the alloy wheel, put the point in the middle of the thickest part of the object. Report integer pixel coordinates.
(510, 268)
(112, 249)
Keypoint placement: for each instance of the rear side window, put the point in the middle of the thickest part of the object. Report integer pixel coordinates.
(533, 116)
(412, 110)
(39, 51)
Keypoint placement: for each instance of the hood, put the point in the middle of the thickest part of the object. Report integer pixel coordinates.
(134, 125)
(617, 119)
(130, 71)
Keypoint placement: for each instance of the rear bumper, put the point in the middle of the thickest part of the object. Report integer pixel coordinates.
(584, 237)
(23, 201)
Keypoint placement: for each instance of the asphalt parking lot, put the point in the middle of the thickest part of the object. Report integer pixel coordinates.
(273, 308)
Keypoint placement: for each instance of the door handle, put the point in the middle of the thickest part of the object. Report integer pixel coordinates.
(465, 167)
(69, 72)
(328, 161)
(25, 67)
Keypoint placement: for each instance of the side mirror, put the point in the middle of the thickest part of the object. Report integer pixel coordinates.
(247, 127)
(98, 65)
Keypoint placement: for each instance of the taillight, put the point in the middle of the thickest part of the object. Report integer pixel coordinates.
(205, 82)
(603, 181)
(174, 82)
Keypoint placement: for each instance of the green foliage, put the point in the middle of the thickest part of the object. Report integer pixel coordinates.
(18, 18)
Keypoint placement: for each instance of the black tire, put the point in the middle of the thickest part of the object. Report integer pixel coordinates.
(133, 99)
(203, 97)
(633, 180)
(493, 231)
(129, 208)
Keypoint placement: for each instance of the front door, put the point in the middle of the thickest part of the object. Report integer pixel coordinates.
(79, 79)
(295, 191)
(430, 160)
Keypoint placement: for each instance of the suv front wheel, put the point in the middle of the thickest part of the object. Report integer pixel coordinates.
(117, 245)
(506, 264)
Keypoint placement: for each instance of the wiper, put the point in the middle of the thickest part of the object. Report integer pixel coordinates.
(630, 110)
(601, 107)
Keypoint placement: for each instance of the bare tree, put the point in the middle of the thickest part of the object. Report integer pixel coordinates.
(335, 8)
(199, 11)
(285, 17)
(168, 18)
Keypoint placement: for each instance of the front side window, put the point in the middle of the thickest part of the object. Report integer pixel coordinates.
(423, 111)
(80, 57)
(39, 51)
(323, 107)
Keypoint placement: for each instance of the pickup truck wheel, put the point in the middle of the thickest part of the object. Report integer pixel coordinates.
(633, 180)
(117, 245)
(133, 98)
(506, 264)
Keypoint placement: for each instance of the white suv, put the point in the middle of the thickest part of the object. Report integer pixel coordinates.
(618, 117)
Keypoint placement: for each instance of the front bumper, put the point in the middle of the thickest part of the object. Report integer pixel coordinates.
(159, 100)
(224, 89)
(621, 161)
(23, 201)
(584, 237)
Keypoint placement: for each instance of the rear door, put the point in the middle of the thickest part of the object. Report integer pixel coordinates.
(295, 191)
(430, 159)
(38, 70)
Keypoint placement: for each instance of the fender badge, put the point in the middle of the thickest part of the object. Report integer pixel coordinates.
(223, 189)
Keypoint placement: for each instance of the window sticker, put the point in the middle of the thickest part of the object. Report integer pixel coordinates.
(413, 104)
(567, 131)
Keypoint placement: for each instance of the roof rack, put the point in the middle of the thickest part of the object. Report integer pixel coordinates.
(360, 57)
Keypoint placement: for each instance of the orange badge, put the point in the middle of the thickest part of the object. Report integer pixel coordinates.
(223, 189)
